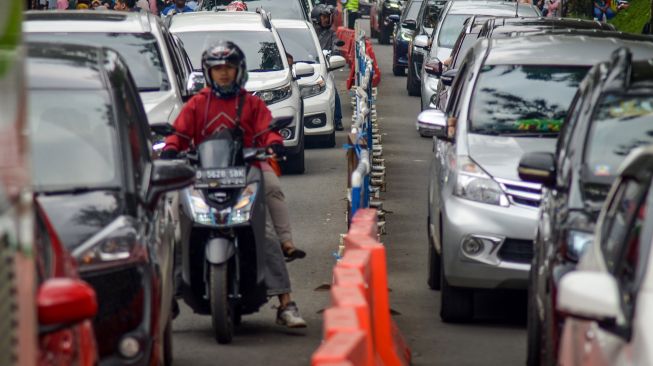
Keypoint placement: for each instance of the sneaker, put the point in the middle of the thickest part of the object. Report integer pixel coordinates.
(338, 126)
(289, 316)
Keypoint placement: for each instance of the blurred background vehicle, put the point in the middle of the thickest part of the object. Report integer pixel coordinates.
(402, 35)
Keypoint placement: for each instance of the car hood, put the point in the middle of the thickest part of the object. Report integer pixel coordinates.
(160, 106)
(266, 80)
(77, 217)
(499, 155)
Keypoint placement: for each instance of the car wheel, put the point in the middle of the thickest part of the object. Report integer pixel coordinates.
(399, 70)
(456, 304)
(330, 140)
(222, 310)
(167, 344)
(295, 163)
(412, 85)
(534, 343)
(435, 261)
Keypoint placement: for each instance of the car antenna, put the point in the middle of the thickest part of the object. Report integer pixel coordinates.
(517, 9)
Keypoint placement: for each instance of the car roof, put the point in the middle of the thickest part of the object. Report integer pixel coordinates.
(217, 21)
(66, 66)
(516, 25)
(581, 48)
(84, 21)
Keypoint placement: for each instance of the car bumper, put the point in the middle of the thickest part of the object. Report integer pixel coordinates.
(507, 234)
(320, 107)
(290, 109)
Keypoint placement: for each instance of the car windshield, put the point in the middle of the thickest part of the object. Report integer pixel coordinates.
(278, 9)
(260, 48)
(73, 140)
(451, 28)
(514, 99)
(621, 124)
(300, 45)
(413, 10)
(139, 50)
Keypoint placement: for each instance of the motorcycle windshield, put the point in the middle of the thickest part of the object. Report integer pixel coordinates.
(217, 151)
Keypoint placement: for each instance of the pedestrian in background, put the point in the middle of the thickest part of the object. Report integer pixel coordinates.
(178, 6)
(62, 5)
(351, 6)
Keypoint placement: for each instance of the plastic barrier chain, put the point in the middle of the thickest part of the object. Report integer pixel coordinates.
(358, 328)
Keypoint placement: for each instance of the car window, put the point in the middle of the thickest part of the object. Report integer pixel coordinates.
(431, 15)
(450, 30)
(260, 47)
(412, 11)
(299, 43)
(139, 50)
(455, 101)
(73, 139)
(467, 43)
(516, 99)
(180, 75)
(621, 123)
(138, 145)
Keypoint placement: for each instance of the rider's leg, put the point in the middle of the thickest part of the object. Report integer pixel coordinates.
(337, 114)
(276, 202)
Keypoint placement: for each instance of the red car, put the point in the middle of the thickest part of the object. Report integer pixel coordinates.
(65, 304)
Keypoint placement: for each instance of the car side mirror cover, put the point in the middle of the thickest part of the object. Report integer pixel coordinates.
(302, 70)
(590, 295)
(448, 77)
(409, 24)
(433, 67)
(421, 41)
(393, 18)
(538, 167)
(195, 83)
(167, 176)
(433, 122)
(336, 62)
(64, 301)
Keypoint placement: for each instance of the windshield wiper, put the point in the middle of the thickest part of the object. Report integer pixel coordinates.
(75, 190)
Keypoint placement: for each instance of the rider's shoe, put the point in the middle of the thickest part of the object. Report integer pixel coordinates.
(290, 317)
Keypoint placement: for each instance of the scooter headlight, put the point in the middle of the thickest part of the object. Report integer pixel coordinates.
(242, 210)
(200, 210)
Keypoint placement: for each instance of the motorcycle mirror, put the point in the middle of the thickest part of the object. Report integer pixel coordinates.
(163, 129)
(340, 43)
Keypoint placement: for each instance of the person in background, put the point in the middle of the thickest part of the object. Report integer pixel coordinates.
(178, 6)
(62, 5)
(322, 18)
(554, 8)
(603, 10)
(351, 6)
(192, 4)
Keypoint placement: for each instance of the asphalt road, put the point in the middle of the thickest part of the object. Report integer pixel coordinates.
(316, 200)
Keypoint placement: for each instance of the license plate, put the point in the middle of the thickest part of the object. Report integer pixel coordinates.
(233, 177)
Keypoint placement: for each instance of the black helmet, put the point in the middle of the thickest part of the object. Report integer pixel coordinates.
(224, 53)
(319, 10)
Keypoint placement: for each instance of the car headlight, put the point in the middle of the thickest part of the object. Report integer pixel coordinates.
(272, 96)
(311, 90)
(116, 245)
(473, 184)
(242, 210)
(405, 36)
(577, 242)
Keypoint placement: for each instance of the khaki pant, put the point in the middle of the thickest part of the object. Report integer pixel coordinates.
(277, 206)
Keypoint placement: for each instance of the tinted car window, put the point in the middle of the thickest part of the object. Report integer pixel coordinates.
(431, 14)
(300, 44)
(521, 99)
(468, 42)
(450, 30)
(412, 11)
(621, 123)
(260, 48)
(73, 139)
(139, 50)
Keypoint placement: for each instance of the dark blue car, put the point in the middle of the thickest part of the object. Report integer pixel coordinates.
(403, 33)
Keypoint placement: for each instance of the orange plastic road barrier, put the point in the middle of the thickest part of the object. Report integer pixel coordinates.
(348, 50)
(339, 320)
(376, 78)
(359, 261)
(350, 277)
(340, 349)
(355, 298)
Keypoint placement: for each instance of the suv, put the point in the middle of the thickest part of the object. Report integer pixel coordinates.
(503, 104)
(381, 25)
(427, 19)
(156, 60)
(97, 185)
(452, 23)
(403, 32)
(270, 76)
(609, 116)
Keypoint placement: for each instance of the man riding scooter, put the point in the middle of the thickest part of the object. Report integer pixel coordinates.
(225, 104)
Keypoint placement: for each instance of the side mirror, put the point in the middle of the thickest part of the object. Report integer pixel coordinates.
(421, 41)
(432, 122)
(340, 43)
(538, 167)
(64, 301)
(162, 129)
(393, 18)
(302, 70)
(195, 83)
(168, 175)
(336, 62)
(279, 124)
(409, 24)
(589, 295)
(448, 77)
(433, 67)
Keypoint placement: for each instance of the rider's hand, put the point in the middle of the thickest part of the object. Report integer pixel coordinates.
(169, 154)
(278, 150)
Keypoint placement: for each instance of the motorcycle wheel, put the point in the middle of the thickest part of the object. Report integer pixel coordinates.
(222, 311)
(167, 344)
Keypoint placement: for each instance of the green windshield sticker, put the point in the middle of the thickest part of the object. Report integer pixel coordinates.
(539, 125)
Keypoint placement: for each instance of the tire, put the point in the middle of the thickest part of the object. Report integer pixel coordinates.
(456, 304)
(435, 262)
(167, 344)
(398, 70)
(534, 343)
(222, 312)
(295, 163)
(384, 36)
(413, 86)
(330, 140)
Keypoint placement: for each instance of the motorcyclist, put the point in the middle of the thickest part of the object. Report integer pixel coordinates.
(224, 103)
(178, 6)
(322, 18)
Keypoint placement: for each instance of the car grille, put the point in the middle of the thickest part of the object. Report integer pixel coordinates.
(8, 307)
(120, 297)
(522, 193)
(515, 250)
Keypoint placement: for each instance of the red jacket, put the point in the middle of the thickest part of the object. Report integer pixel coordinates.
(198, 122)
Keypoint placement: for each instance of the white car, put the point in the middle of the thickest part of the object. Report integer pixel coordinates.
(270, 76)
(609, 298)
(319, 92)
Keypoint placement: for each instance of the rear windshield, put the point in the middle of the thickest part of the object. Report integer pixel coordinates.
(299, 43)
(139, 50)
(260, 48)
(278, 9)
(523, 100)
(621, 124)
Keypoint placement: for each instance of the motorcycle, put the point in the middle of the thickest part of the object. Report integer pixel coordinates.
(223, 223)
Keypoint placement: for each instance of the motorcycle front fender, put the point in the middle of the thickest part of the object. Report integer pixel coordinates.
(219, 250)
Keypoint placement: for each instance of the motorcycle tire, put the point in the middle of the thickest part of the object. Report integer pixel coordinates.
(413, 86)
(167, 344)
(398, 71)
(456, 304)
(222, 311)
(435, 261)
(534, 326)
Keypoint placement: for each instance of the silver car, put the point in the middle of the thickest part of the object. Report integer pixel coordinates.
(270, 76)
(450, 25)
